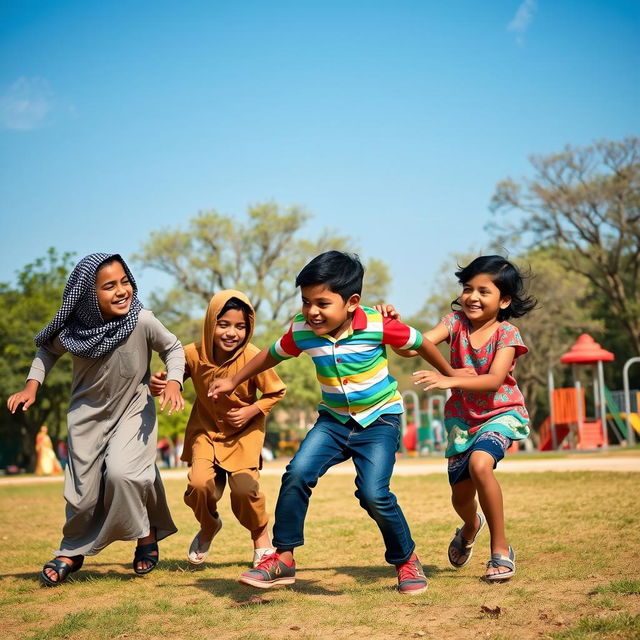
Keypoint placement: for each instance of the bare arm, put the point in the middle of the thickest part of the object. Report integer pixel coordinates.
(261, 362)
(26, 397)
(429, 352)
(491, 381)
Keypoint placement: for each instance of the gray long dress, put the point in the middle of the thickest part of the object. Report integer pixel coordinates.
(112, 485)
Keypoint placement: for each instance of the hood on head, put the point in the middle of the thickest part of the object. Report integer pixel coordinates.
(216, 305)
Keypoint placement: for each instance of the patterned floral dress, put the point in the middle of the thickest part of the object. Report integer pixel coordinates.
(482, 420)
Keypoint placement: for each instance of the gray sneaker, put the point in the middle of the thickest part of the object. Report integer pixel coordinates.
(270, 572)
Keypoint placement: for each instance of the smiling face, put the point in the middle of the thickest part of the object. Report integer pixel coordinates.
(481, 300)
(114, 291)
(229, 334)
(325, 311)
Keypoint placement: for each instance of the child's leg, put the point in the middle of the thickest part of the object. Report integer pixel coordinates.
(323, 447)
(202, 495)
(248, 505)
(481, 466)
(374, 454)
(463, 499)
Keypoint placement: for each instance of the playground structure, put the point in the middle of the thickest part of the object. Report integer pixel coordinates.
(567, 424)
(422, 428)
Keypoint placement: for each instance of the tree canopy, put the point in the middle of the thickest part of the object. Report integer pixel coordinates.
(25, 308)
(583, 206)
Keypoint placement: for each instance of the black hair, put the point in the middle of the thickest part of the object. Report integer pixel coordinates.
(235, 303)
(509, 280)
(110, 260)
(341, 272)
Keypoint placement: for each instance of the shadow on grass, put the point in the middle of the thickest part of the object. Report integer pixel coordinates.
(363, 576)
(91, 571)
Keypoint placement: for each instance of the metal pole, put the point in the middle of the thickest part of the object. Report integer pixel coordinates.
(552, 422)
(603, 405)
(578, 387)
(631, 436)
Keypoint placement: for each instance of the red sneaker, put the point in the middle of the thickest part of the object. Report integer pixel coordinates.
(411, 578)
(270, 572)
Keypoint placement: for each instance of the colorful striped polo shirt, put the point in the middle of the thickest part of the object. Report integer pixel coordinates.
(352, 370)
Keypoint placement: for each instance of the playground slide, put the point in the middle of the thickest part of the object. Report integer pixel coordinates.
(620, 417)
(634, 419)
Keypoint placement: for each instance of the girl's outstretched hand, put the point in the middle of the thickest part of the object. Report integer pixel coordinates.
(157, 383)
(223, 385)
(26, 397)
(171, 396)
(432, 379)
(387, 311)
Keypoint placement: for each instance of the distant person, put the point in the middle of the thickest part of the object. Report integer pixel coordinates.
(164, 449)
(224, 440)
(359, 415)
(46, 462)
(112, 486)
(485, 413)
(436, 426)
(63, 452)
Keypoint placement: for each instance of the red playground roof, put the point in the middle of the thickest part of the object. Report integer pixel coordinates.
(586, 351)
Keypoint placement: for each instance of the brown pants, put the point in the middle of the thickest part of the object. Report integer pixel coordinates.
(206, 485)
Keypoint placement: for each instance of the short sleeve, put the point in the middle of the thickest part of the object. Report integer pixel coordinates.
(509, 336)
(452, 321)
(400, 335)
(285, 348)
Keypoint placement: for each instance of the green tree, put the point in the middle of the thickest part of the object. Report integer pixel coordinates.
(583, 206)
(259, 255)
(25, 308)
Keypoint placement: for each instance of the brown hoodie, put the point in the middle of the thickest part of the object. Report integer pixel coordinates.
(234, 449)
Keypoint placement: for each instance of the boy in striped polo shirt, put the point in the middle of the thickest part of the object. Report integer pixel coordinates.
(359, 415)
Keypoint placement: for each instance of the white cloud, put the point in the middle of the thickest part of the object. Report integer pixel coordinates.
(25, 104)
(522, 19)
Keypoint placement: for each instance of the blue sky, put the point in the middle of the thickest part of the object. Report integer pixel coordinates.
(389, 121)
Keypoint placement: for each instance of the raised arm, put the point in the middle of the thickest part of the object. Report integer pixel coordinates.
(259, 363)
(172, 354)
(429, 352)
(491, 381)
(46, 356)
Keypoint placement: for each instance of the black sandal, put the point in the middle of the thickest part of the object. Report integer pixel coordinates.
(62, 568)
(143, 553)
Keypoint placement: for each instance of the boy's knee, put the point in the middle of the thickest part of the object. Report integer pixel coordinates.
(373, 499)
(199, 484)
(244, 488)
(300, 475)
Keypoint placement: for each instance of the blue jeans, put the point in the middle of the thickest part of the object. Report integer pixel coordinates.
(373, 450)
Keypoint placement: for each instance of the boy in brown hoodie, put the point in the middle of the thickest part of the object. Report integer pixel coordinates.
(223, 440)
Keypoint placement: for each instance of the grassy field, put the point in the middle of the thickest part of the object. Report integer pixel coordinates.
(576, 536)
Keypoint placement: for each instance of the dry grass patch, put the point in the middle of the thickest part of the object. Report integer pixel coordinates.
(577, 554)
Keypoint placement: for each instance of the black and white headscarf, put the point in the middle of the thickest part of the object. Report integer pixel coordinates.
(79, 323)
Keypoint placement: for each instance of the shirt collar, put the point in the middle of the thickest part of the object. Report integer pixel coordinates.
(359, 320)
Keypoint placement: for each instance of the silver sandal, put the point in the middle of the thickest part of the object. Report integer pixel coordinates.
(462, 546)
(498, 560)
(198, 552)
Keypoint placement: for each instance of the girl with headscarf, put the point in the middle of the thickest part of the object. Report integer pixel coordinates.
(223, 440)
(113, 490)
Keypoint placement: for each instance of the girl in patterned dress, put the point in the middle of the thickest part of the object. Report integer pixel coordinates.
(485, 412)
